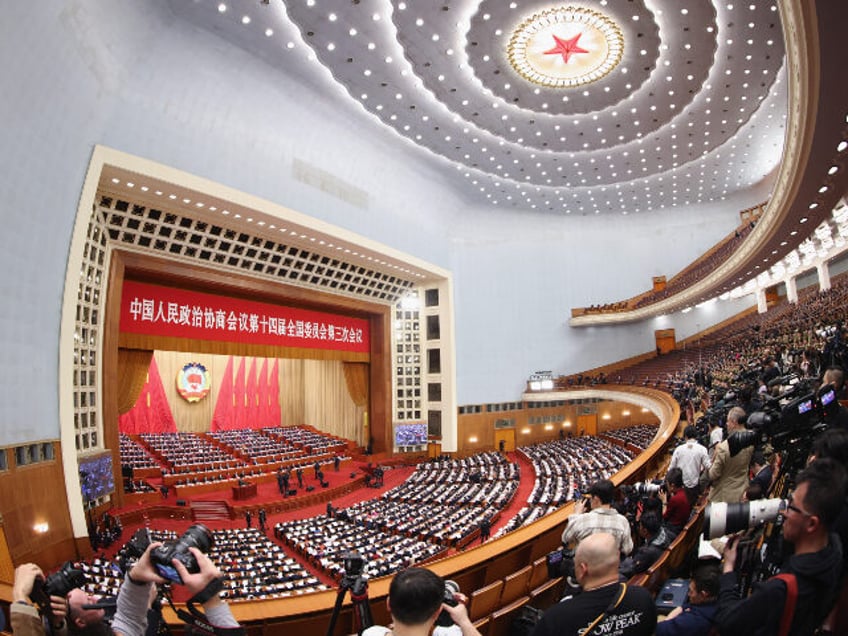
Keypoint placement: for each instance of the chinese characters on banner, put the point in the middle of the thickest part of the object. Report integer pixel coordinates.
(166, 311)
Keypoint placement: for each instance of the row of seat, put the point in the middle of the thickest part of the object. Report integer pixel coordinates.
(494, 607)
(675, 556)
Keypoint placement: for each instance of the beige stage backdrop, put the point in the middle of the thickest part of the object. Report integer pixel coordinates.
(312, 392)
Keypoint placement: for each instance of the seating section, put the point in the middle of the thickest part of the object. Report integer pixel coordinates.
(564, 468)
(254, 567)
(639, 436)
(219, 458)
(440, 505)
(323, 541)
(135, 455)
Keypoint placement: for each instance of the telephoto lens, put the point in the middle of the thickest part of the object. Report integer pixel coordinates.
(726, 518)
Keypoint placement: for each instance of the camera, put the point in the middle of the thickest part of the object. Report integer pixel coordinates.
(444, 619)
(647, 488)
(60, 583)
(727, 518)
(353, 564)
(197, 536)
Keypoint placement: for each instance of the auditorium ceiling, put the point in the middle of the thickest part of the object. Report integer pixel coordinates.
(578, 108)
(605, 107)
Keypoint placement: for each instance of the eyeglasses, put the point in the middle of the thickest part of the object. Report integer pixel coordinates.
(793, 508)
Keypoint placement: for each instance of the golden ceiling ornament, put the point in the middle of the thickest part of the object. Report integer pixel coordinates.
(565, 47)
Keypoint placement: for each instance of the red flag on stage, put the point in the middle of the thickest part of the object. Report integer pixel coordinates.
(239, 398)
(251, 398)
(262, 395)
(151, 413)
(274, 389)
(222, 419)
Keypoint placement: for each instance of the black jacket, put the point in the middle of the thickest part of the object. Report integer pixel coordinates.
(818, 576)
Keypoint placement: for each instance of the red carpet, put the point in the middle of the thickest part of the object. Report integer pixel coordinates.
(267, 493)
(525, 487)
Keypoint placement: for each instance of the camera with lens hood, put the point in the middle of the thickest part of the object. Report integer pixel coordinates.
(197, 536)
(722, 518)
(444, 619)
(60, 583)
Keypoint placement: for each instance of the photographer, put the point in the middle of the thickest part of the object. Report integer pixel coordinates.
(416, 598)
(677, 504)
(692, 459)
(814, 567)
(654, 542)
(601, 517)
(134, 597)
(67, 612)
(838, 417)
(729, 473)
(605, 603)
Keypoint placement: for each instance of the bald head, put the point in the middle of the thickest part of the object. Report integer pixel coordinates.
(596, 559)
(736, 416)
(834, 376)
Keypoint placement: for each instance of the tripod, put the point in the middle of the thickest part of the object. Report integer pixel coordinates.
(358, 587)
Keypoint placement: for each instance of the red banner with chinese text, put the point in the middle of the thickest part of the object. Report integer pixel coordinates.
(166, 311)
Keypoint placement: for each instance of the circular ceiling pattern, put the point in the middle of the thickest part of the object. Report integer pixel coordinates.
(692, 110)
(565, 47)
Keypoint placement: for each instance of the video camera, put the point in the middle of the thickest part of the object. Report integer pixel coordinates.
(60, 583)
(797, 415)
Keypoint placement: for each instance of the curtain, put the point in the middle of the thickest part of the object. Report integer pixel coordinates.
(356, 377)
(327, 403)
(132, 375)
(151, 412)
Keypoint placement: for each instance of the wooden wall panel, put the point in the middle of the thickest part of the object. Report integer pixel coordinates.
(36, 494)
(565, 417)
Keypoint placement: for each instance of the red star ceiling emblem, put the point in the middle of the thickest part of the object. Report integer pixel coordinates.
(566, 48)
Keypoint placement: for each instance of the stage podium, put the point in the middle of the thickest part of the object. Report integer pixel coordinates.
(244, 491)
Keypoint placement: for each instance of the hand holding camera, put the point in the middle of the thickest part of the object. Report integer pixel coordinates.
(197, 581)
(25, 576)
(454, 611)
(144, 570)
(48, 593)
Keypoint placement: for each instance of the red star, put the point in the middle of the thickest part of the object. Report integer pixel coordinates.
(566, 48)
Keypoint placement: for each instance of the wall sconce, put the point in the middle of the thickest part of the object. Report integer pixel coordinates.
(525, 430)
(41, 528)
(472, 439)
(625, 413)
(566, 424)
(605, 416)
(549, 427)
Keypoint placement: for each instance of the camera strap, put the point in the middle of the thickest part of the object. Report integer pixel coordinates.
(789, 606)
(196, 620)
(615, 603)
